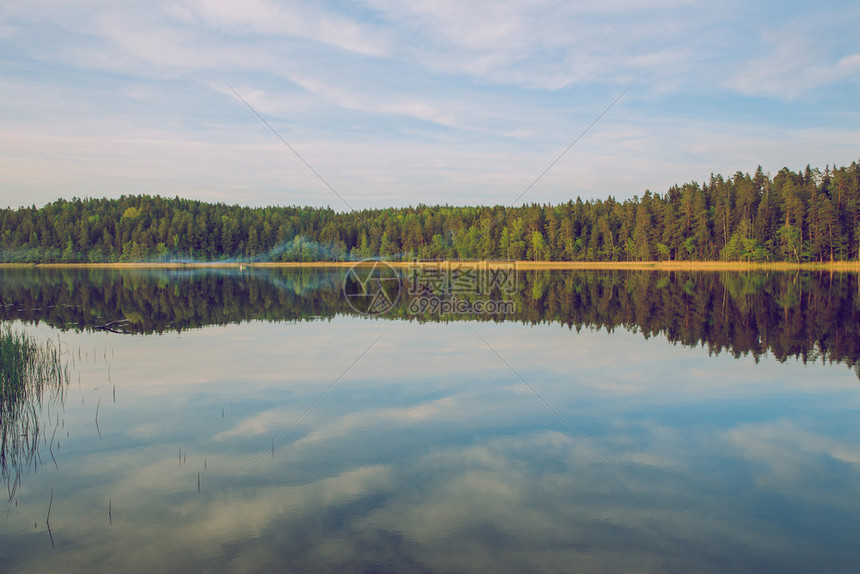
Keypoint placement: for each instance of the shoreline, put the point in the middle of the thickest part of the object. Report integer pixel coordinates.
(845, 266)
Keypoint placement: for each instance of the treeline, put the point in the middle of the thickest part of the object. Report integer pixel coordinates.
(809, 315)
(808, 215)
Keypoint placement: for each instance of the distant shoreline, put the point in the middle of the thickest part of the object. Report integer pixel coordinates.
(850, 266)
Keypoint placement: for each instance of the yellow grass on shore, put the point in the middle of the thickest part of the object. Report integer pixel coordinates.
(852, 266)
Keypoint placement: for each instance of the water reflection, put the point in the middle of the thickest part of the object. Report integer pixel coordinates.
(809, 315)
(429, 454)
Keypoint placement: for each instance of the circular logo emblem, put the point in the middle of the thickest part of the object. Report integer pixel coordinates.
(371, 287)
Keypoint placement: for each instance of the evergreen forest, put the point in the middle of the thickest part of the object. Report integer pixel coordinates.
(805, 216)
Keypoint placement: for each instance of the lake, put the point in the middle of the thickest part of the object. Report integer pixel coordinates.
(436, 420)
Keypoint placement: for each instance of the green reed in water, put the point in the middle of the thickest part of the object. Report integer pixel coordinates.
(32, 375)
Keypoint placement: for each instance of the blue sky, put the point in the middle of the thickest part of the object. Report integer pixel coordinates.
(398, 103)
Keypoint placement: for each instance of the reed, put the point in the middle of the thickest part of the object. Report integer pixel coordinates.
(97, 417)
(522, 265)
(31, 376)
(48, 518)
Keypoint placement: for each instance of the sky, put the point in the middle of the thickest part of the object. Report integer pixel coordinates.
(397, 103)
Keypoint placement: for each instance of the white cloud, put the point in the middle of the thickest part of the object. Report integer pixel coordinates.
(278, 19)
(398, 103)
(801, 56)
(538, 44)
(850, 63)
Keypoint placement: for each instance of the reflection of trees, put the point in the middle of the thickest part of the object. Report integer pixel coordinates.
(32, 376)
(808, 315)
(154, 301)
(805, 315)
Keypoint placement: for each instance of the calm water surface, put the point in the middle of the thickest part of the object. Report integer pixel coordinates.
(712, 426)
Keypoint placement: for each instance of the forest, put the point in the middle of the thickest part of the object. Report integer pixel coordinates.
(805, 216)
